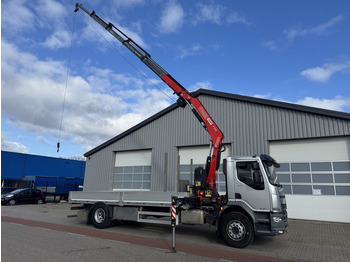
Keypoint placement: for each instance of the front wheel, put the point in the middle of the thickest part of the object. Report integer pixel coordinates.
(237, 230)
(12, 202)
(100, 216)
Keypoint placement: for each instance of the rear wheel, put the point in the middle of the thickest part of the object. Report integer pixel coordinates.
(40, 201)
(100, 216)
(237, 230)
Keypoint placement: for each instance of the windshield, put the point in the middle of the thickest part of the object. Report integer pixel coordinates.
(271, 173)
(17, 191)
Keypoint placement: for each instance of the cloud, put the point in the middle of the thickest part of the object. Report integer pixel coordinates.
(211, 13)
(55, 21)
(22, 17)
(172, 17)
(297, 31)
(128, 3)
(59, 39)
(322, 29)
(16, 9)
(185, 52)
(51, 13)
(43, 140)
(11, 146)
(271, 45)
(217, 14)
(199, 85)
(338, 103)
(324, 73)
(234, 17)
(32, 99)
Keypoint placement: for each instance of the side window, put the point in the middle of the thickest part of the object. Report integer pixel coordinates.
(246, 171)
(35, 192)
(26, 193)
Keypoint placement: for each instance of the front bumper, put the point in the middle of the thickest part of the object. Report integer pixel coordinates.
(278, 225)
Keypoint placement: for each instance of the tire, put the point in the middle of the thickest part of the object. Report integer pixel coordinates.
(12, 202)
(237, 230)
(40, 202)
(100, 216)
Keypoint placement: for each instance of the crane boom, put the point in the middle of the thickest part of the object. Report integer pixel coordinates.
(213, 160)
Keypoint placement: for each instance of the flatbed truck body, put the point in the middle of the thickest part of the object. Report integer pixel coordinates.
(248, 208)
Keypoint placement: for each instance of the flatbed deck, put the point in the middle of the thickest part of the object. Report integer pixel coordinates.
(125, 198)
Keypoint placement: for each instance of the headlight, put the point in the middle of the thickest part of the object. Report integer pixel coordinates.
(277, 219)
(8, 196)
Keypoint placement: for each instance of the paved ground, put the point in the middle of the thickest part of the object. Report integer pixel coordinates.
(306, 240)
(37, 244)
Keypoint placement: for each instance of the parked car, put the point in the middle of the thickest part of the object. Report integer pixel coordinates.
(23, 195)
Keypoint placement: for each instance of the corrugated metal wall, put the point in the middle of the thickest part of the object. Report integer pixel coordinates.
(246, 125)
(18, 165)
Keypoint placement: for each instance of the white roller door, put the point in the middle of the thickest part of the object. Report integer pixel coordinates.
(133, 170)
(315, 174)
(324, 149)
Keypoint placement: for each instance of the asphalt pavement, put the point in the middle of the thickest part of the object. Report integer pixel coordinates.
(305, 241)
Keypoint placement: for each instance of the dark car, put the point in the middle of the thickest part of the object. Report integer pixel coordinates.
(23, 196)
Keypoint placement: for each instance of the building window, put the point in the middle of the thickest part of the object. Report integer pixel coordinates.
(317, 178)
(132, 177)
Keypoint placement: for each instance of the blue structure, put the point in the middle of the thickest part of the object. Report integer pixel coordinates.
(54, 176)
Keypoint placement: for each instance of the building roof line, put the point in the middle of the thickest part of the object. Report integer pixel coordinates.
(267, 102)
(275, 103)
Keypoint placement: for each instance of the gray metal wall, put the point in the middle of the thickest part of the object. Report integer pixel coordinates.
(247, 126)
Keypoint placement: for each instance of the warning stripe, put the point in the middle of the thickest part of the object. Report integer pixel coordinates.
(173, 212)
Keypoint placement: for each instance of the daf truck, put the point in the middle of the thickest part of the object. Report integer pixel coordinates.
(254, 203)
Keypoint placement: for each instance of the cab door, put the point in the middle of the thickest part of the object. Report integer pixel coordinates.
(251, 187)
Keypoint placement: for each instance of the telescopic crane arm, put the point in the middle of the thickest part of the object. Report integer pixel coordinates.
(185, 97)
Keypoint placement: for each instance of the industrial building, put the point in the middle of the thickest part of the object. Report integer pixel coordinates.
(54, 176)
(160, 154)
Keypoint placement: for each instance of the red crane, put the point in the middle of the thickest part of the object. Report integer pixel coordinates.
(185, 98)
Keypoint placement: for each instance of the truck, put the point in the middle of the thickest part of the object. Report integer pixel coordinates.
(57, 186)
(254, 203)
(53, 176)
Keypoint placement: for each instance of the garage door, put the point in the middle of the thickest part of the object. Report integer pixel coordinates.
(133, 170)
(315, 174)
(325, 149)
(192, 157)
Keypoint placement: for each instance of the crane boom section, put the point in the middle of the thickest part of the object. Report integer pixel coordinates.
(184, 96)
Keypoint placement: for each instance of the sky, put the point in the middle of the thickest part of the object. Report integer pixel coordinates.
(65, 79)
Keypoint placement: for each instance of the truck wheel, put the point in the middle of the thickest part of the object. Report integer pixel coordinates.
(237, 230)
(100, 216)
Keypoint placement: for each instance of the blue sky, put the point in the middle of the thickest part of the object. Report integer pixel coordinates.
(291, 51)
